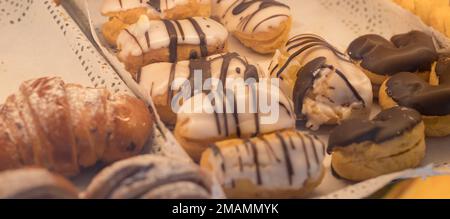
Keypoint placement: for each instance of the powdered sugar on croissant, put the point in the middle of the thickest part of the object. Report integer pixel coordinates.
(64, 127)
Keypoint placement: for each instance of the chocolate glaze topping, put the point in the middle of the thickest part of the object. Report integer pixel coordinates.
(411, 91)
(443, 69)
(410, 52)
(385, 126)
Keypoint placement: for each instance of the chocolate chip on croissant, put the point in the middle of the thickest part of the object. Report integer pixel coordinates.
(63, 127)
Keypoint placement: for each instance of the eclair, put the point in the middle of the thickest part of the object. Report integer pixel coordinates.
(122, 13)
(380, 58)
(262, 25)
(431, 99)
(392, 141)
(164, 81)
(326, 87)
(287, 164)
(150, 41)
(150, 177)
(251, 110)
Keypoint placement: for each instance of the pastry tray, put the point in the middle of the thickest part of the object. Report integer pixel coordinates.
(345, 21)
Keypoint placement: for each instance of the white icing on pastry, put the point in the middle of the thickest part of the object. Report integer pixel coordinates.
(340, 89)
(155, 7)
(284, 160)
(250, 15)
(148, 35)
(161, 78)
(199, 120)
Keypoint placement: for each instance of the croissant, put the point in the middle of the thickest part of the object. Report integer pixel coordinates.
(65, 127)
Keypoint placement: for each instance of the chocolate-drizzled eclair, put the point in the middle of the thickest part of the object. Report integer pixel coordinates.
(35, 183)
(286, 164)
(150, 177)
(262, 25)
(250, 110)
(150, 41)
(162, 81)
(392, 141)
(431, 99)
(380, 58)
(325, 85)
(122, 13)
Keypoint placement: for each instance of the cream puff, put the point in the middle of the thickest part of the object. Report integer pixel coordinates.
(325, 85)
(262, 25)
(392, 141)
(432, 99)
(380, 58)
(286, 164)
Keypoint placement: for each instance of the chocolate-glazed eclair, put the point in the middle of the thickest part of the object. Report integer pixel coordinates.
(122, 13)
(432, 99)
(150, 41)
(392, 141)
(325, 85)
(35, 183)
(150, 177)
(287, 164)
(262, 25)
(161, 81)
(380, 58)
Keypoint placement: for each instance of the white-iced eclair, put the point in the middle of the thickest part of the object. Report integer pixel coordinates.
(249, 111)
(287, 164)
(150, 41)
(164, 81)
(262, 25)
(326, 87)
(122, 13)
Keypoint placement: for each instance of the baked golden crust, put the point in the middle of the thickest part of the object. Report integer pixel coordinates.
(362, 161)
(135, 63)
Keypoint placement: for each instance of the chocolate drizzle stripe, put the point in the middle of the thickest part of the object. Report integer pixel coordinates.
(270, 148)
(218, 153)
(236, 118)
(202, 36)
(349, 85)
(173, 45)
(308, 164)
(269, 18)
(287, 158)
(256, 161)
(313, 145)
(241, 165)
(170, 82)
(180, 28)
